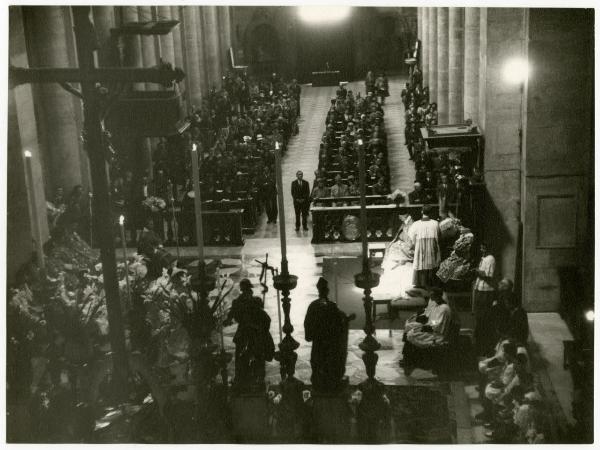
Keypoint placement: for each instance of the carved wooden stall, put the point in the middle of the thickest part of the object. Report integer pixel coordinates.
(223, 227)
(222, 222)
(462, 144)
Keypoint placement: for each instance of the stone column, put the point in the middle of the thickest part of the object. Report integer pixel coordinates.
(442, 65)
(426, 46)
(148, 48)
(482, 96)
(419, 23)
(432, 19)
(167, 45)
(224, 15)
(58, 125)
(471, 65)
(148, 60)
(191, 60)
(132, 46)
(177, 45)
(455, 64)
(505, 33)
(22, 134)
(104, 20)
(204, 84)
(210, 33)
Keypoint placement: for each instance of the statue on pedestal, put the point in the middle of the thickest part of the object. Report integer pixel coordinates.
(326, 326)
(253, 342)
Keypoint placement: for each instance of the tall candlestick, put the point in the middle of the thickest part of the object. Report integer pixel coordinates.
(197, 204)
(35, 219)
(279, 181)
(366, 279)
(279, 310)
(363, 203)
(285, 282)
(91, 198)
(175, 226)
(122, 228)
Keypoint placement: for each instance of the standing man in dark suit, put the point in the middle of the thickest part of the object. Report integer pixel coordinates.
(301, 196)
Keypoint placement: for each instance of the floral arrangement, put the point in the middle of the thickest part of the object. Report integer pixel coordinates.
(154, 204)
(58, 341)
(178, 320)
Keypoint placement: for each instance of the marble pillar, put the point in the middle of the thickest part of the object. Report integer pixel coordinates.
(210, 33)
(224, 15)
(177, 45)
(191, 55)
(471, 65)
(59, 133)
(442, 65)
(455, 64)
(432, 19)
(104, 20)
(167, 45)
(425, 47)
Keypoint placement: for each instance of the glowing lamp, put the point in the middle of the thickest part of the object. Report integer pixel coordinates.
(323, 14)
(27, 154)
(589, 315)
(516, 70)
(121, 219)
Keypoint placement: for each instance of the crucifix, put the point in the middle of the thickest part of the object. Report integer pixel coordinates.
(95, 100)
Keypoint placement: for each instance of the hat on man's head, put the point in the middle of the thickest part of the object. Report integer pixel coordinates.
(245, 285)
(322, 284)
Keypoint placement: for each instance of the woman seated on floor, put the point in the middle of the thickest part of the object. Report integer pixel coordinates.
(427, 336)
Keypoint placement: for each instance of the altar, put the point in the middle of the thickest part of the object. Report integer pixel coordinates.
(326, 78)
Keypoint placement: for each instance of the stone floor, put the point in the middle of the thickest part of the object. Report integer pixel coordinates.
(306, 261)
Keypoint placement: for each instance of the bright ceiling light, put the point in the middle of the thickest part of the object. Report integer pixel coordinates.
(516, 70)
(589, 315)
(323, 14)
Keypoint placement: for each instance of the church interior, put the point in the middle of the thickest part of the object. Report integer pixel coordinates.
(300, 224)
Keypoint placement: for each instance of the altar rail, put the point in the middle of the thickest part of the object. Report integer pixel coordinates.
(351, 200)
(341, 223)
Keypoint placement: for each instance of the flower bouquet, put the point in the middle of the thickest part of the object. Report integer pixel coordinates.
(154, 204)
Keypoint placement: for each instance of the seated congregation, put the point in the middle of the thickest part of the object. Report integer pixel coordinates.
(352, 122)
(235, 130)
